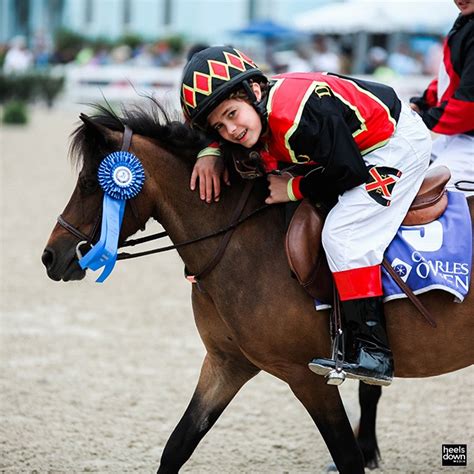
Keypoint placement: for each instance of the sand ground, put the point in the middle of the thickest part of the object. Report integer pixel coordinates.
(95, 377)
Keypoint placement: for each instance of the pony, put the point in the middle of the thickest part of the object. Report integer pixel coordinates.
(250, 313)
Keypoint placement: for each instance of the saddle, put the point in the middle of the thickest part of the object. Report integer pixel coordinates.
(307, 259)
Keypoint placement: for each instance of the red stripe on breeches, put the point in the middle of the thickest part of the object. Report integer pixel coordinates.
(359, 283)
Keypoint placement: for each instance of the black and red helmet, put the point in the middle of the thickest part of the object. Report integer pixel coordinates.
(210, 76)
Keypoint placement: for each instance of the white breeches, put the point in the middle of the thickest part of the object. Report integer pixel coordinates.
(457, 153)
(359, 229)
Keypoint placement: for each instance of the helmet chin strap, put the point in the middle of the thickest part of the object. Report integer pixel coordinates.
(259, 106)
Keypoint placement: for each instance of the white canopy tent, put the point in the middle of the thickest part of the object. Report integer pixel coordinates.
(362, 18)
(380, 16)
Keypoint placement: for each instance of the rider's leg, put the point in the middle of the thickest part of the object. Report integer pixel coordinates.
(356, 234)
(363, 319)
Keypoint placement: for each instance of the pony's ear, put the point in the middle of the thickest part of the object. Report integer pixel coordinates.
(102, 133)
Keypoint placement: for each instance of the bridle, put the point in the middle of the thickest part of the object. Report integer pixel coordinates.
(227, 231)
(89, 239)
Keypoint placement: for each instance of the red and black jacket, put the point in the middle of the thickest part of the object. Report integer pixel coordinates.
(328, 122)
(447, 105)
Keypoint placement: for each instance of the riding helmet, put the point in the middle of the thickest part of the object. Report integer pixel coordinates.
(210, 76)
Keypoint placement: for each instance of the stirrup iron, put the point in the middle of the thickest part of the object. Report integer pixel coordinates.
(337, 376)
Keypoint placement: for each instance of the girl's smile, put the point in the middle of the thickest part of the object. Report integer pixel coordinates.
(466, 6)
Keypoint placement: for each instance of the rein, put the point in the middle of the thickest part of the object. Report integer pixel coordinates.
(236, 220)
(160, 235)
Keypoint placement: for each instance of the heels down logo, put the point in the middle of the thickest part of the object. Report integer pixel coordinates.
(454, 454)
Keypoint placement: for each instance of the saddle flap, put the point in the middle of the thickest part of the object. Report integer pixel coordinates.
(306, 257)
(431, 200)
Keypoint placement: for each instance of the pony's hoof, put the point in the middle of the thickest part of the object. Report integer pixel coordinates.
(372, 464)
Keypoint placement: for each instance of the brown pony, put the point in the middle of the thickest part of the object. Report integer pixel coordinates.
(250, 313)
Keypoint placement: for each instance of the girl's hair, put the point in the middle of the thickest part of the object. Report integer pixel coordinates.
(241, 94)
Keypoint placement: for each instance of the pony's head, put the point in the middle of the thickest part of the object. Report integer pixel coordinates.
(157, 142)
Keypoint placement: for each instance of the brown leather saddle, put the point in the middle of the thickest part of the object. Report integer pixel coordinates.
(303, 246)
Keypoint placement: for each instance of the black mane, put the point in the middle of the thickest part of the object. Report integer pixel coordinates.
(152, 121)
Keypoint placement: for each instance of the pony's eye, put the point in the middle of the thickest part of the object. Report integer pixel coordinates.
(88, 184)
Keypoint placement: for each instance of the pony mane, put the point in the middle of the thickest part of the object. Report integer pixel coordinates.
(152, 121)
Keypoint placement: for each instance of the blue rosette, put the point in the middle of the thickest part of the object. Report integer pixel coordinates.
(121, 176)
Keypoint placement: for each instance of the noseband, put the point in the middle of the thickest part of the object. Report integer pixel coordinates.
(89, 239)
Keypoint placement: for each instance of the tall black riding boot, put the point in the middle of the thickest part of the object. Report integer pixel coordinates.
(373, 362)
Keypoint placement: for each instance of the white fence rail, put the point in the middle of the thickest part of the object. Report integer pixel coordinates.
(85, 84)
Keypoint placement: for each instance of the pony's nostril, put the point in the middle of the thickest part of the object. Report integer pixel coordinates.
(48, 258)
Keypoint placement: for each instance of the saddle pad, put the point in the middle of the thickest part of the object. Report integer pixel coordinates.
(434, 256)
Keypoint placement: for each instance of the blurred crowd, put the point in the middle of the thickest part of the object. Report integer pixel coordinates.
(404, 61)
(420, 57)
(319, 53)
(156, 54)
(16, 56)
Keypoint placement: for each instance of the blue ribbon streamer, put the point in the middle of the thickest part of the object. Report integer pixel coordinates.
(104, 252)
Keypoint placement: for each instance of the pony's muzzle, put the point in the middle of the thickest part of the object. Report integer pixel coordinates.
(48, 258)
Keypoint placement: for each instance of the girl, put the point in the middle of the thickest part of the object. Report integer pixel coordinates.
(362, 148)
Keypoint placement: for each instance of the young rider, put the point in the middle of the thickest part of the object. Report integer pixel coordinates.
(447, 105)
(361, 146)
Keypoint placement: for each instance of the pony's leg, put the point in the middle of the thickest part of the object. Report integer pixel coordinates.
(369, 396)
(325, 407)
(219, 381)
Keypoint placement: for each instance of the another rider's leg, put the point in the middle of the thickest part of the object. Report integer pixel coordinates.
(455, 152)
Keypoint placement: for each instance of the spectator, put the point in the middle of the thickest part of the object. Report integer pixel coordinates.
(101, 56)
(403, 63)
(324, 59)
(18, 58)
(85, 56)
(163, 54)
(42, 47)
(144, 56)
(378, 64)
(121, 54)
(301, 61)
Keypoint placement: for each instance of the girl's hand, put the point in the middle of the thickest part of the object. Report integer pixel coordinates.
(209, 169)
(277, 186)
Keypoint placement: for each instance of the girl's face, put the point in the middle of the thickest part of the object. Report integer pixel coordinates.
(466, 6)
(237, 121)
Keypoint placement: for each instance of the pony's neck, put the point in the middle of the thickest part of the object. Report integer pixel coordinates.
(181, 211)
